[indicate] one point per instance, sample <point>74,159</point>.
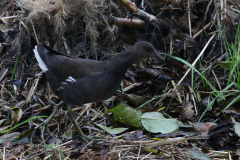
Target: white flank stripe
<point>41,64</point>
<point>71,79</point>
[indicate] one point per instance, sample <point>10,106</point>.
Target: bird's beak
<point>158,56</point>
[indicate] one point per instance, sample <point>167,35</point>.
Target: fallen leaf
<point>206,128</point>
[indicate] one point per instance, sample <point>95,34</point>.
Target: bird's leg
<point>79,131</point>
<point>44,124</point>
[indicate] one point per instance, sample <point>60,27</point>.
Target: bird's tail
<point>40,56</point>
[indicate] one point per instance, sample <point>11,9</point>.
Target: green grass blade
<point>154,99</point>
<point>32,118</point>
<point>210,105</point>
<point>231,103</point>
<point>192,67</point>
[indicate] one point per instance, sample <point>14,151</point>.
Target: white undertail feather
<point>41,64</point>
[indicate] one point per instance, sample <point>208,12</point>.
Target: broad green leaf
<point>124,114</point>
<point>155,122</point>
<point>112,130</point>
<point>236,126</point>
<point>139,113</point>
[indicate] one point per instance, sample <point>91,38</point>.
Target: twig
<point>35,32</point>
<point>189,19</point>
<point>9,93</point>
<point>221,9</point>
<point>4,73</point>
<point>10,17</point>
<point>139,150</point>
<point>29,38</point>
<point>172,140</point>
<point>132,8</point>
<point>193,99</point>
<point>193,128</point>
<point>217,80</point>
<point>4,152</point>
<point>199,32</point>
<point>178,94</point>
<point>205,16</point>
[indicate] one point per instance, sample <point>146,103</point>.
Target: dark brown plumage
<point>77,81</point>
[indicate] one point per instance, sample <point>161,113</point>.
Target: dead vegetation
<point>196,31</point>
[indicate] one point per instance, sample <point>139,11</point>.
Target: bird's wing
<point>64,67</point>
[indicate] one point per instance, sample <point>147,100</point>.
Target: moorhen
<point>78,81</point>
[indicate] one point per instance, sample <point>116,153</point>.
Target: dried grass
<point>57,12</point>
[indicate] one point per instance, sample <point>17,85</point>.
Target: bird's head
<point>144,49</point>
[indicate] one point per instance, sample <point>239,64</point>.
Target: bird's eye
<point>147,49</point>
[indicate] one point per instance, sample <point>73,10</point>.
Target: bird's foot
<point>45,123</point>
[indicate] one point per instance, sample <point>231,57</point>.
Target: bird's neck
<point>121,62</point>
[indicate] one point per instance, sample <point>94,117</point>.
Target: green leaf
<point>67,134</point>
<point>139,113</point>
<point>124,114</point>
<point>236,126</point>
<point>154,122</point>
<point>24,134</point>
<point>225,64</point>
<point>136,99</point>
<point>112,130</point>
<point>9,137</point>
<point>16,115</point>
